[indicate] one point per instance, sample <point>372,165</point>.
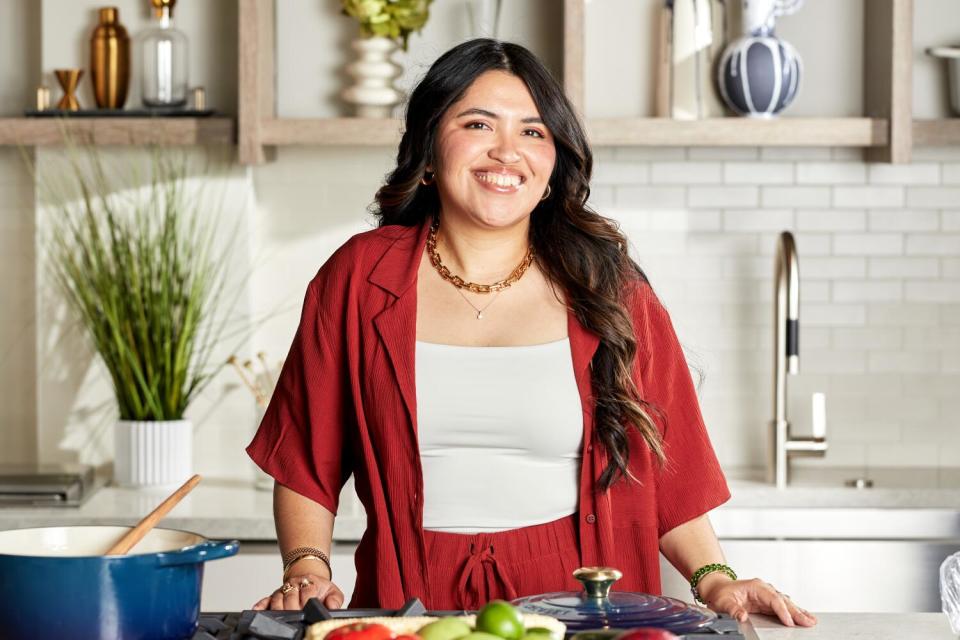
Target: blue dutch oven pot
<point>53,585</point>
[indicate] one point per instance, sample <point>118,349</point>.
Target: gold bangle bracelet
<point>305,553</point>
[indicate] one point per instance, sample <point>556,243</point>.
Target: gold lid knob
<point>108,15</point>
<point>160,5</point>
<point>597,581</point>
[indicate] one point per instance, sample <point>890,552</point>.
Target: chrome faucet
<point>786,360</point>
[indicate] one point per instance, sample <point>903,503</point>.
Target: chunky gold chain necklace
<point>459,282</point>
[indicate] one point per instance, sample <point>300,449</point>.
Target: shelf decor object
<point>110,61</point>
<point>164,52</point>
<point>759,73</point>
<point>952,56</point>
<point>385,25</point>
<point>689,51</point>
<point>141,271</point>
<point>68,79</point>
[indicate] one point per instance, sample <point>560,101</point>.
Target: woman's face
<point>495,155</point>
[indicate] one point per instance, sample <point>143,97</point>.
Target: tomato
<point>647,633</point>
<point>501,619</point>
<point>361,631</point>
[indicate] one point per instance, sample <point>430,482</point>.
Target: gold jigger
<point>68,79</point>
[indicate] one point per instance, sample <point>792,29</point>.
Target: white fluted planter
<point>373,94</point>
<point>153,453</point>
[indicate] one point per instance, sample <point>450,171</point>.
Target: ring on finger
<point>287,588</point>
<point>305,583</point>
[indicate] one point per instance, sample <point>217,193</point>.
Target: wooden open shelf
<point>885,131</point>
<point>936,132</point>
<point>116,131</point>
<point>740,132</point>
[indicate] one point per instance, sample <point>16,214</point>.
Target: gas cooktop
<point>292,625</point>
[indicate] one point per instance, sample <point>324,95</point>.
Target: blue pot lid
<point>597,607</point>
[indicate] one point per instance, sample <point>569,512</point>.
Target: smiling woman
<point>495,449</point>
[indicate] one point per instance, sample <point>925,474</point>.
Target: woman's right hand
<point>300,587</point>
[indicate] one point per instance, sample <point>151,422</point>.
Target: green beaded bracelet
<point>704,570</point>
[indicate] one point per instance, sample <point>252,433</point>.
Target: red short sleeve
<point>301,440</point>
<point>691,481</point>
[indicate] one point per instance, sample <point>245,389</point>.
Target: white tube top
<point>500,431</point>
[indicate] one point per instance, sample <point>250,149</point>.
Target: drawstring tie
<point>482,579</point>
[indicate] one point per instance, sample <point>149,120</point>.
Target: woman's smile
<point>500,182</point>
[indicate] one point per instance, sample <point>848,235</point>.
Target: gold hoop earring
<point>425,181</point>
<point>546,195</point>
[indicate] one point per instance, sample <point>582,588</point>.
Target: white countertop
<point>234,509</point>
<point>858,626</point>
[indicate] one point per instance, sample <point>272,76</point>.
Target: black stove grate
<point>292,625</point>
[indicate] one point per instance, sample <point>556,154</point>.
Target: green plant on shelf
<point>139,264</point>
<point>394,19</point>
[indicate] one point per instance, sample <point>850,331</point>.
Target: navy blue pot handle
<point>208,550</point>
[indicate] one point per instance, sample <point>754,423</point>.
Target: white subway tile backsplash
<point>867,337</point>
<point>651,197</point>
<point>903,314</point>
<point>922,220</point>
<point>758,172</point>
<point>950,361</point>
<point>807,154</point>
<point>835,360</point>
<point>950,268</point>
<point>831,173</point>
<point>834,315</point>
<point>723,153</point>
<point>950,220</point>
<point>795,197</point>
<point>933,244</point>
<point>722,197</point>
<point>612,172</point>
<point>686,173</point>
<point>757,219</point>
<point>869,244</point>
<point>901,361</point>
<point>903,267</point>
<point>932,338</point>
<point>873,197</point>
<point>869,384</point>
<point>908,174</point>
<point>831,220</point>
<point>902,454</point>
<point>950,173</point>
<point>932,291</point>
<point>867,291</point>
<point>822,267</point>
<point>933,197</point>
<point>601,198</point>
<point>950,314</point>
<point>640,154</point>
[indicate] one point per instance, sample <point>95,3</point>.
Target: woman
<point>497,374</point>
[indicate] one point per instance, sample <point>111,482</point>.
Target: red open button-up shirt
<point>345,403</point>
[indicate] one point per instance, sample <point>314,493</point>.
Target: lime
<point>444,629</point>
<point>480,635</point>
<point>501,619</point>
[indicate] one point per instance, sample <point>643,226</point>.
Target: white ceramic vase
<point>153,453</point>
<point>373,94</point>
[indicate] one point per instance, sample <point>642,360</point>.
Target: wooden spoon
<point>132,537</point>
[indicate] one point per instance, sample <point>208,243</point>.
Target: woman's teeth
<point>500,180</point>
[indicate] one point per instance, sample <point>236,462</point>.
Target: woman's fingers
<point>276,600</point>
<point>291,600</point>
<point>778,603</point>
<point>801,616</point>
<point>261,604</point>
<point>334,597</point>
<point>309,587</point>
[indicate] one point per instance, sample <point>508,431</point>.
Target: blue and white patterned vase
<point>759,74</point>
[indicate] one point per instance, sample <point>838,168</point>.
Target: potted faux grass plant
<point>385,25</point>
<point>139,265</point>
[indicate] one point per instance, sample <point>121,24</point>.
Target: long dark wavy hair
<point>578,250</point>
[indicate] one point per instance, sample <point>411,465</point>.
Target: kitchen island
<point>818,540</point>
<point>858,626</point>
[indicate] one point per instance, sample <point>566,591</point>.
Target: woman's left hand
<point>740,598</point>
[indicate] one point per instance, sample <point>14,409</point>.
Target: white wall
<point>879,245</point>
